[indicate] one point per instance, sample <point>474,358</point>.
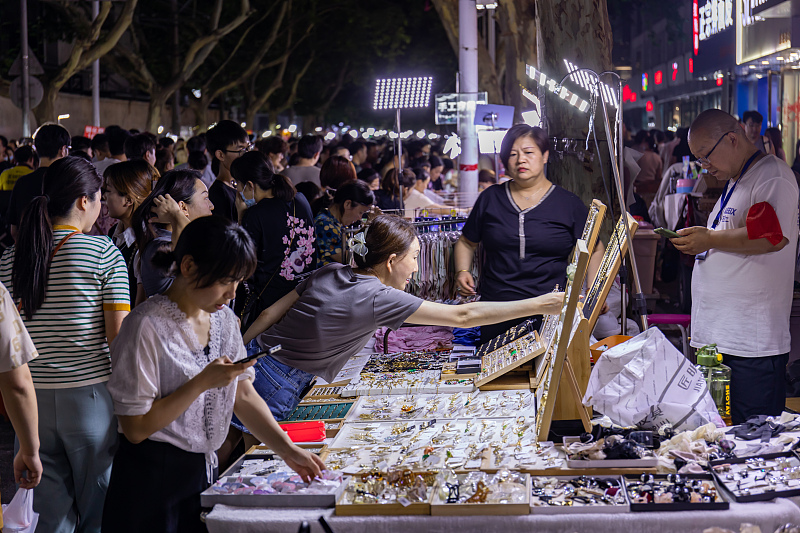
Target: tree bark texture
<point>88,48</point>
<point>580,31</point>
<point>516,46</point>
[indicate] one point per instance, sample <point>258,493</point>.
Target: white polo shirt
<point>742,302</point>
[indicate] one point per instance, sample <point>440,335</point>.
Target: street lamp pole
<point>26,85</point>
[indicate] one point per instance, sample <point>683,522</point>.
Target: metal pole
<point>95,76</point>
<point>491,33</point>
<point>176,96</point>
<point>468,73</point>
<point>400,161</point>
<point>26,83</point>
<point>617,163</point>
<point>639,302</point>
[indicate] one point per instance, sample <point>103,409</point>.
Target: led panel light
<point>587,82</point>
<point>552,86</point>
<point>402,93</point>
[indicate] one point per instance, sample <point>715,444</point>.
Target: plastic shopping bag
<point>18,516</point>
<point>646,382</point>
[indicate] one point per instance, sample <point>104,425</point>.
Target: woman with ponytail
<point>179,197</point>
<point>177,381</point>
<point>73,293</point>
<point>279,221</point>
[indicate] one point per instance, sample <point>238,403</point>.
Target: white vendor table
<point>768,515</point>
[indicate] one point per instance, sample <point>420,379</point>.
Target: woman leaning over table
<point>528,228</point>
<point>331,315</point>
<point>73,291</point>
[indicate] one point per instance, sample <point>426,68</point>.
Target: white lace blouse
<point>156,352</point>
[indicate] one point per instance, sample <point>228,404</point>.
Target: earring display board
<point>616,249</point>
<point>509,357</point>
<point>547,390</point>
<point>591,230</point>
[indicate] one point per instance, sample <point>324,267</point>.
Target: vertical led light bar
<point>402,93</point>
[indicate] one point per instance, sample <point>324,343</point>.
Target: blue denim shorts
<point>280,385</point>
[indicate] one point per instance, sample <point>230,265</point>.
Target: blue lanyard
<point>725,198</point>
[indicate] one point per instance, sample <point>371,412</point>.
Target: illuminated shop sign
<point>644,82</point>
<point>748,18</point>
<point>711,17</point>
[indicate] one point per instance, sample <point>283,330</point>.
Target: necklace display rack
<point>612,258</point>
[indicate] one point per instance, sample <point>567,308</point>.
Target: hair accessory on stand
<point>358,243</point>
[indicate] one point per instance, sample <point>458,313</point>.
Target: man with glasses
<point>226,141</point>
<point>743,276</point>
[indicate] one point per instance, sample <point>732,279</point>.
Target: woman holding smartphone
<point>176,383</point>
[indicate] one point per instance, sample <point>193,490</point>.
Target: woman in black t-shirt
<point>279,220</point>
<point>528,228</point>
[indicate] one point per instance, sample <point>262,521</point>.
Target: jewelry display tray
<point>721,482</point>
<point>386,509</point>
<point>648,462</point>
<point>582,509</point>
<point>209,498</point>
<point>442,508</point>
<point>669,507</point>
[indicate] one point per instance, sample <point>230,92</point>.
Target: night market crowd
<point>143,276</point>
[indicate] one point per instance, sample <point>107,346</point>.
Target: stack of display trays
<point>258,466</point>
<point>332,413</point>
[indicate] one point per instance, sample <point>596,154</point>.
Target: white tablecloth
<point>768,515</point>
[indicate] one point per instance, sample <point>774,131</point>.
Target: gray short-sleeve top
<point>337,313</point>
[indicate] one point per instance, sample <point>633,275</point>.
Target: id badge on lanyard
<point>725,198</point>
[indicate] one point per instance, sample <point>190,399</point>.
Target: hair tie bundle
<point>358,243</point>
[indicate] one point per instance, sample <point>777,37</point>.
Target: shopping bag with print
<point>647,382</point>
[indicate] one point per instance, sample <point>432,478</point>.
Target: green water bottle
<point>718,379</point>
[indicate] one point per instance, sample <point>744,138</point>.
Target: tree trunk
<point>46,110</point>
<point>577,30</point>
<point>517,21</point>
<point>200,108</point>
<point>250,117</point>
<point>154,110</point>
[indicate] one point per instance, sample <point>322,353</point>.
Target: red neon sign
<point>719,82</point>
<point>691,65</point>
<point>695,29</point>
<point>649,106</point>
<point>658,77</point>
<point>633,97</point>
<point>674,71</point>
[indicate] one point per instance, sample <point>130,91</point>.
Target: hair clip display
<point>674,492</point>
<point>581,494</point>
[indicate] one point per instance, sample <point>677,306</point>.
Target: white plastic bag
<point>18,516</point>
<point>647,382</point>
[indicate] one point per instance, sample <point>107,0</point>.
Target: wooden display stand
<point>548,388</point>
<point>575,379</point>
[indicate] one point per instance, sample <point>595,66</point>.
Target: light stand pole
<point>397,94</point>
<point>617,161</point>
